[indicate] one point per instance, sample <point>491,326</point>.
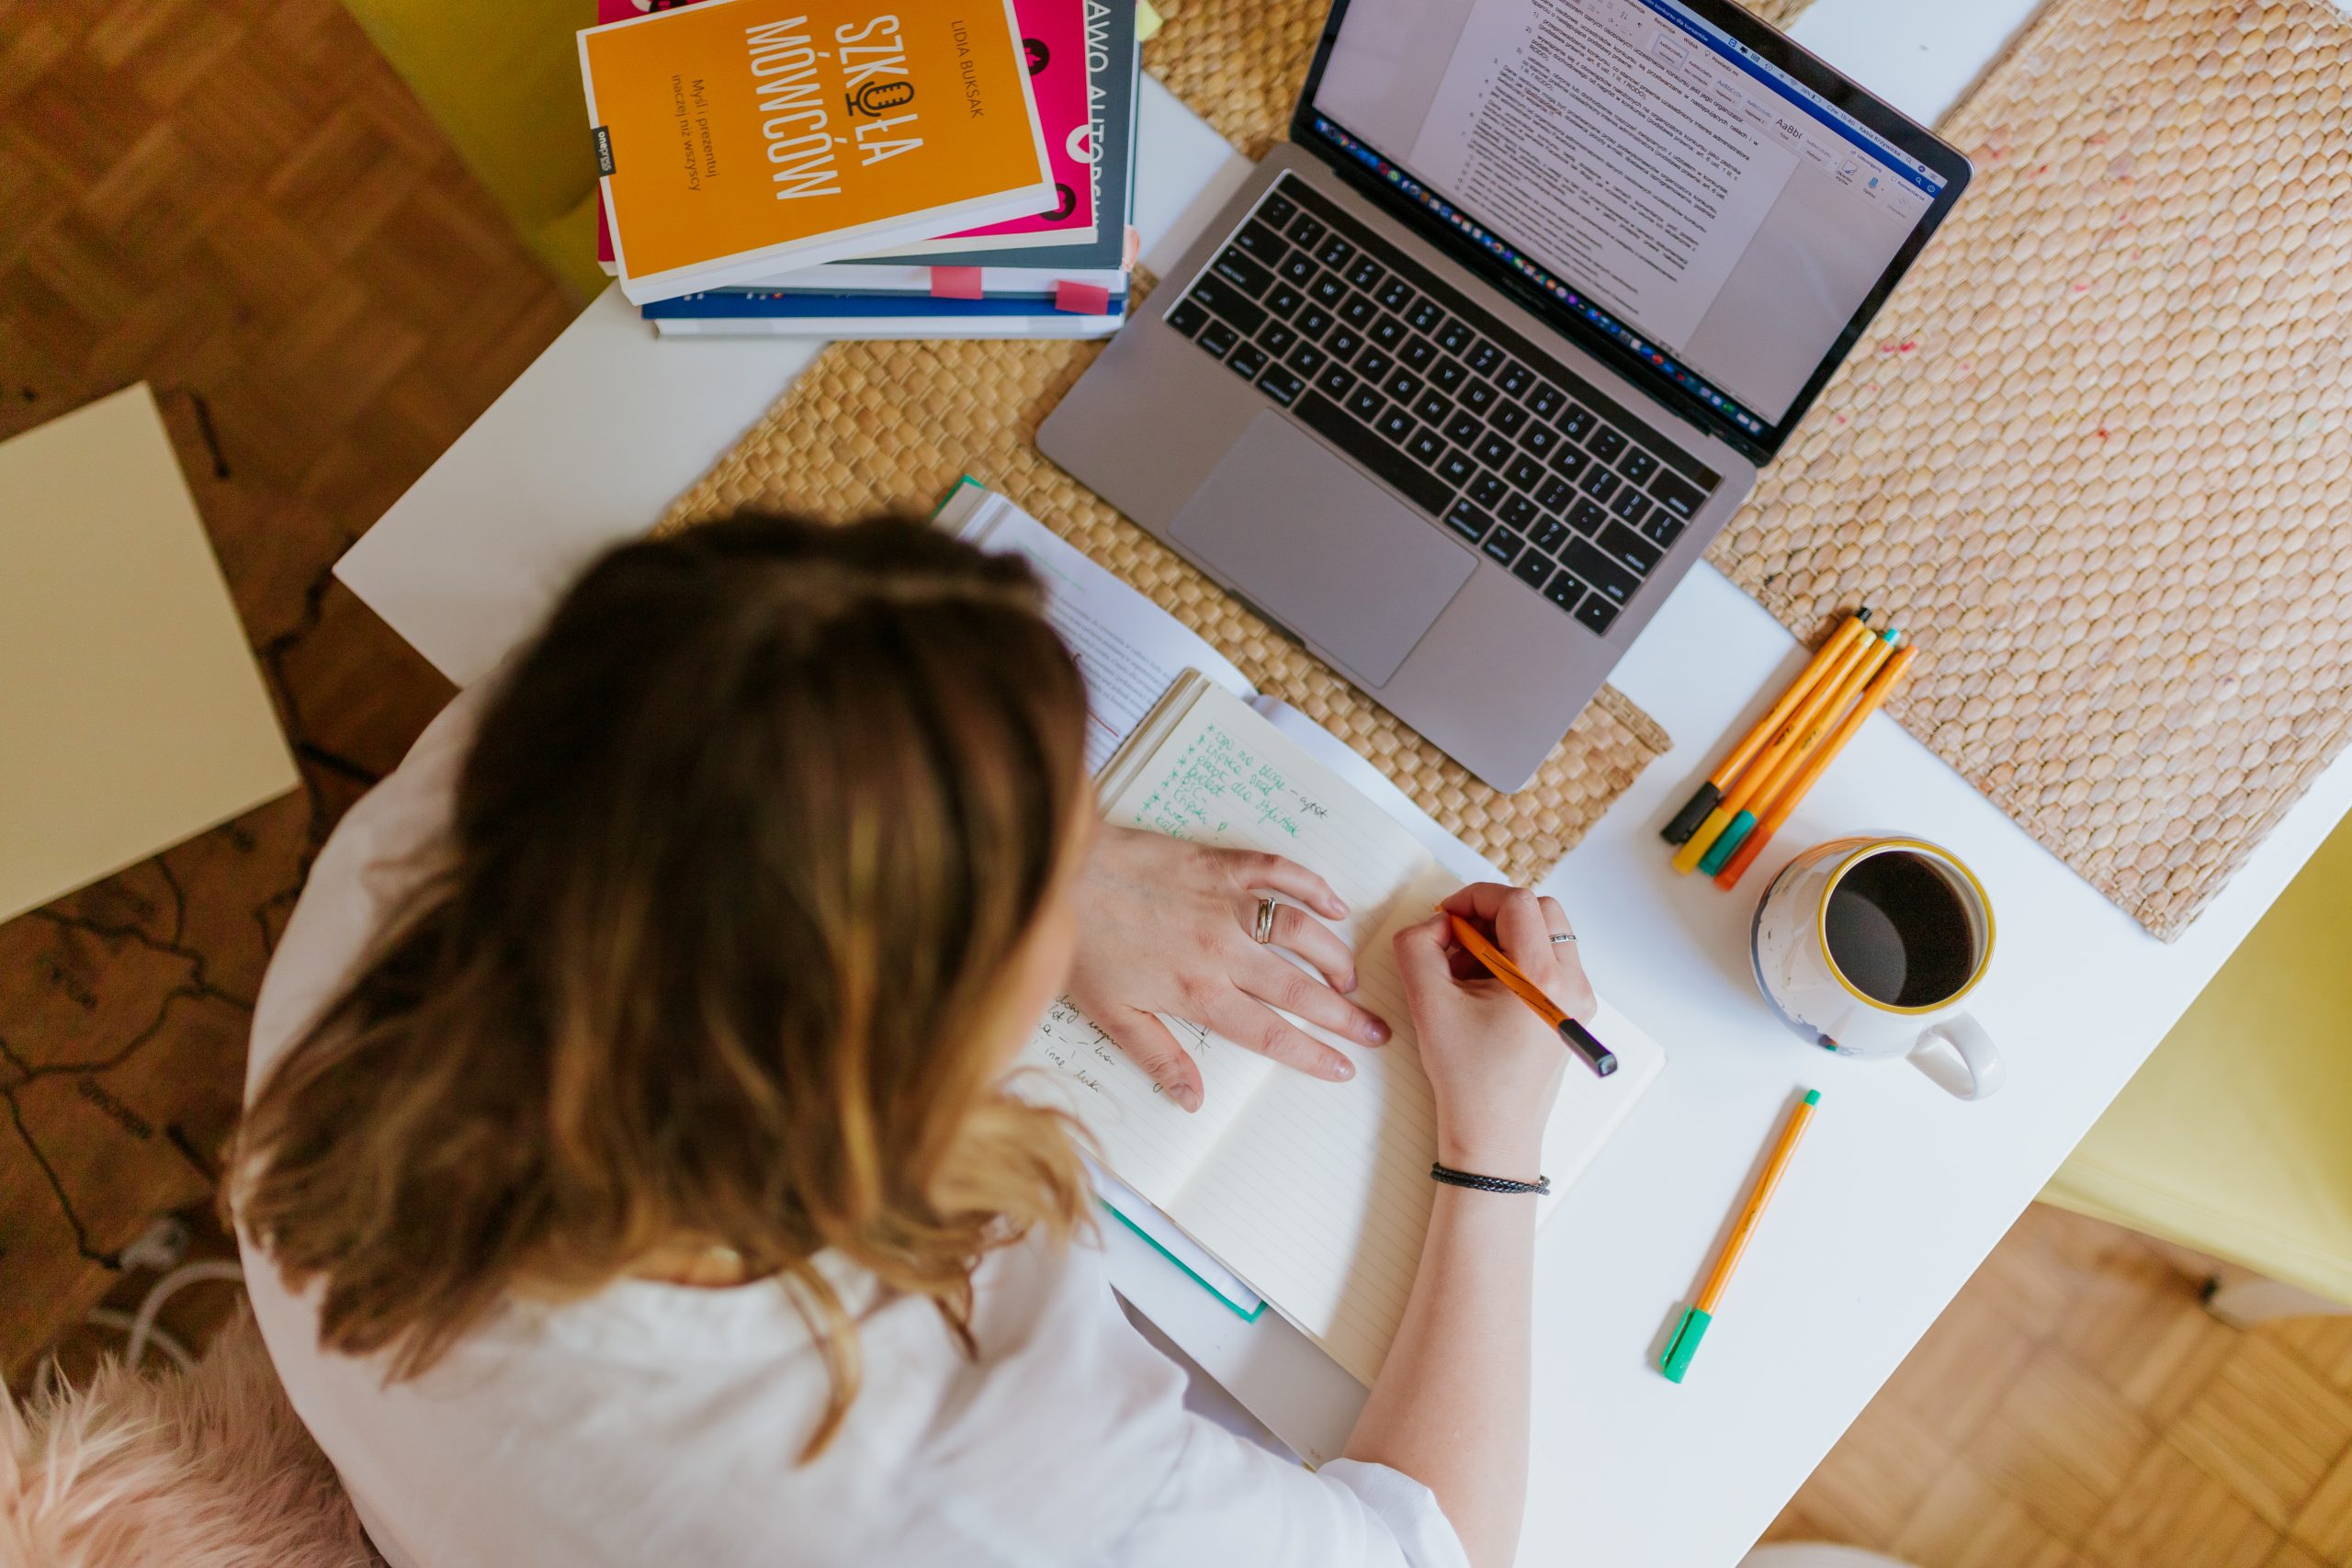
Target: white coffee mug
<point>1915,933</point>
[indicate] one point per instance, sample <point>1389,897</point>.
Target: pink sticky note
<point>1081,299</point>
<point>955,283</point>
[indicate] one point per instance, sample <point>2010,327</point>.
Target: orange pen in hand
<point>1579,1039</point>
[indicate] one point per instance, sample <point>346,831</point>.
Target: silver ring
<point>1264,931</point>
<point>1570,937</point>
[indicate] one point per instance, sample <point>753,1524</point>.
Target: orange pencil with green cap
<point>1688,858</point>
<point>1786,800</point>
<point>1675,1359</point>
<point>1710,793</point>
<point>1817,723</point>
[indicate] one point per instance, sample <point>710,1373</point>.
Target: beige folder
<point>132,714</point>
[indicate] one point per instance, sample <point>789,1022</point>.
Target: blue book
<point>768,312</point>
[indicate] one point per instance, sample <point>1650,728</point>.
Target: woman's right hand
<point>1450,1406</point>
<point>1493,1066</point>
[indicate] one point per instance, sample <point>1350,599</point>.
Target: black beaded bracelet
<point>1454,1177</point>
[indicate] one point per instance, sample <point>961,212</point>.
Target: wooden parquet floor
<point>2077,1407</point>
<point>237,201</point>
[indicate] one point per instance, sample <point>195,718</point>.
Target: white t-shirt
<point>658,1424</point>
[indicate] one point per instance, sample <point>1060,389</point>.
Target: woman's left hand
<point>1166,926</point>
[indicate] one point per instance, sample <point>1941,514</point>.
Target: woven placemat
<point>2094,453</point>
<point>877,423</point>
<point>870,425</point>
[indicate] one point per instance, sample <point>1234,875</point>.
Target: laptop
<point>1465,377</point>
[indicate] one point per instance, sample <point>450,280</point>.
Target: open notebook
<point>1315,1194</point>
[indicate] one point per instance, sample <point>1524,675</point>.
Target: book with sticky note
<point>1316,1194</point>
<point>765,312</point>
<point>997,286</point>
<point>740,138</point>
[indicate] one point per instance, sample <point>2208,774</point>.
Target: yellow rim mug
<point>1866,946</point>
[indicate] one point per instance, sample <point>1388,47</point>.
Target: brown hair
<point>743,844</point>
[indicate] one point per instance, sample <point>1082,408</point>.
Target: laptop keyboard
<point>1459,415</point>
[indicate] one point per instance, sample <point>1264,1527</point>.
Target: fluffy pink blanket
<point>205,1468</point>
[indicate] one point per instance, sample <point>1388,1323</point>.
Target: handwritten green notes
<point>1222,781</point>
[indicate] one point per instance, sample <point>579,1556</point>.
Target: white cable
<point>143,1326</point>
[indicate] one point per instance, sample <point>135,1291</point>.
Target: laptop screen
<point>1652,176</point>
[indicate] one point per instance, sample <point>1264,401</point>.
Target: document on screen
<point>1613,148</point>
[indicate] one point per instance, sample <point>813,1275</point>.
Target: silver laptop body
<point>1479,570</point>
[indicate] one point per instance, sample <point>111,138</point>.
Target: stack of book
<point>811,168</point>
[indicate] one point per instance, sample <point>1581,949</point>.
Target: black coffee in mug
<point>1900,932</point>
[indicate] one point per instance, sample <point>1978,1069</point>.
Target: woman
<point>631,1175</point>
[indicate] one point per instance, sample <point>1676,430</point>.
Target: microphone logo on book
<point>875,99</point>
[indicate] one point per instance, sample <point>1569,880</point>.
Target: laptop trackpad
<point>1322,548</point>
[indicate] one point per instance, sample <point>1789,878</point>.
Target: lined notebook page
<point>1151,1145</point>
<point>1319,1193</point>
<point>1315,1193</point>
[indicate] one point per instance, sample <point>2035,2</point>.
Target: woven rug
<point>2095,453</point>
<point>850,437</point>
<point>877,423</point>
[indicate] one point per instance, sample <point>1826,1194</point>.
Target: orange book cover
<point>739,138</point>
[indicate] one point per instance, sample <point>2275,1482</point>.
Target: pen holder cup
<point>1866,946</point>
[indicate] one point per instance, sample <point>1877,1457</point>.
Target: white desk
<point>1902,1190</point>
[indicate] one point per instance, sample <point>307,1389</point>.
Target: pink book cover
<point>1054,33</point>
<point>621,11</point>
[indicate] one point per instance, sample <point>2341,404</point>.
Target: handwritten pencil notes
<point>1158,1148</point>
